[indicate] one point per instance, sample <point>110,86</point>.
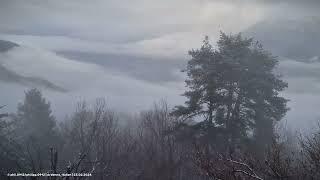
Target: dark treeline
<point>225,130</point>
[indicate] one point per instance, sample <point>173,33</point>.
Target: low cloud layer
<point>85,81</point>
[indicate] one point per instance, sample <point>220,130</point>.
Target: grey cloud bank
<point>84,81</point>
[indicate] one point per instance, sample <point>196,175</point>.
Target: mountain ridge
<point>9,76</point>
<point>294,39</point>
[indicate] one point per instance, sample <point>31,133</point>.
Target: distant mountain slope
<point>7,75</point>
<point>6,45</point>
<point>295,39</point>
<point>143,68</point>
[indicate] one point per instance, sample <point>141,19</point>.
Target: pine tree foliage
<point>234,88</point>
<point>35,115</point>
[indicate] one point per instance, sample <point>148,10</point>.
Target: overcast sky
<point>130,52</point>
